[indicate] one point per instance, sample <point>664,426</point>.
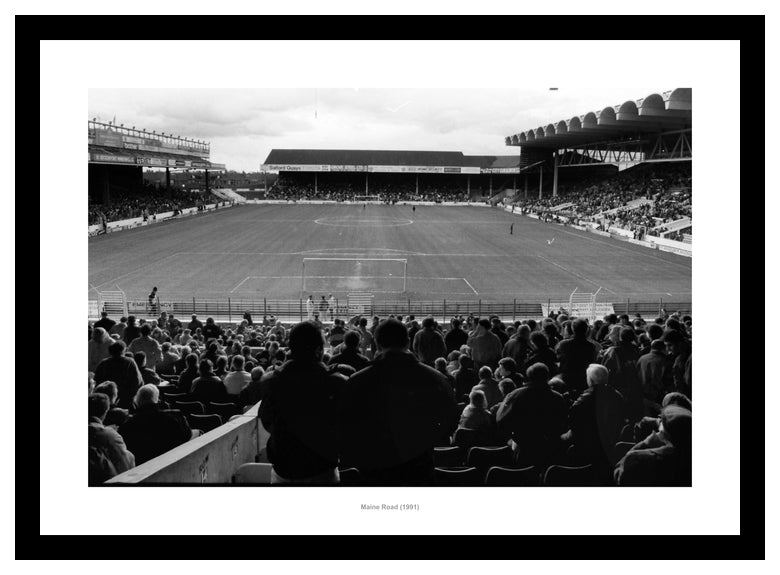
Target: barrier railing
<point>229,310</point>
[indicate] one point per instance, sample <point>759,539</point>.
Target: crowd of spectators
<point>666,186</point>
<point>379,394</point>
<point>147,204</point>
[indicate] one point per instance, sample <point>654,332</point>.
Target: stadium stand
<point>643,368</point>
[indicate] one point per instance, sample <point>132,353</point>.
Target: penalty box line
<point>243,281</point>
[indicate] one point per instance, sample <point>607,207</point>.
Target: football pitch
<point>256,251</point>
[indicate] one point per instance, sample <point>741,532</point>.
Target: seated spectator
<point>183,338</point>
<point>507,368</point>
<point>350,353</point>
<point>505,386</point>
<point>116,416</point>
<point>121,370</point>
<point>119,329</point>
<point>440,365</point>
<point>488,386</point>
<point>667,465</point>
<point>475,415</point>
<point>151,431</point>
<point>168,362</point>
<point>465,378</point>
<point>596,419</point>
<point>647,429</point>
<point>679,353</point>
<point>428,344</point>
<point>194,324</point>
<point>147,344</point>
<point>253,340</point>
<point>208,387</point>
<point>238,378</point>
<point>300,411</point>
<point>254,390</point>
<point>97,349</point>
<point>534,416</point>
<point>148,375</point>
<point>189,374</point>
<point>220,367</point>
<point>394,412</point>
<point>108,454</point>
<point>575,355</point>
<point>249,361</point>
<point>455,337</point>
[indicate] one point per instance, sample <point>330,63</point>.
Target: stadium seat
<point>458,476</point>
<point>253,474</point>
<point>505,477</point>
<point>621,448</point>
<point>224,410</point>
<point>190,407</point>
<point>349,477</point>
<point>465,438</point>
<point>483,458</point>
<point>172,397</point>
<point>448,456</point>
<point>627,433</point>
<point>561,476</point>
<point>204,422</point>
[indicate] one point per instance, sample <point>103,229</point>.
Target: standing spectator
<point>309,308</point>
<point>499,329</point>
<point>147,344</point>
<point>534,416</point>
<point>119,329</point>
<point>97,349</point>
<point>108,454</point>
<point>154,302</point>
<point>331,306</point>
<point>211,330</point>
<point>323,306</point>
<point>575,355</point>
<point>679,351</point>
<point>428,343</point>
<point>621,360</point>
<point>541,354</point>
<point>336,336</point>
<point>248,318</point>
<point>519,347</point>
<point>238,378</point>
<point>488,386</point>
<point>465,377</point>
<point>121,370</point>
<point>151,431</point>
<point>194,324</point>
<point>300,411</point>
<point>366,339</point>
<point>208,387</point>
<point>105,322</point>
<point>507,369</point>
<point>394,412</point>
<point>655,373</point>
<point>485,345</point>
<point>131,331</point>
<point>455,337</point>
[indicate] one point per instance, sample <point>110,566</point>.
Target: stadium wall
<point>118,225</point>
<point>214,457</point>
<point>403,203</point>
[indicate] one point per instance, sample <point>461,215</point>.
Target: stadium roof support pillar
<point>541,175</point>
<point>555,174</point>
<point>525,193</point>
<point>207,181</point>
<point>417,184</point>
<point>366,183</point>
<point>315,182</point>
<point>468,185</point>
<point>491,184</point>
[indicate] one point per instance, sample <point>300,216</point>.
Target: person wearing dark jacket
<point>596,419</point>
<point>208,387</point>
<point>621,361</point>
<point>132,331</point>
<point>465,378</point>
<point>541,354</point>
<point>534,416</point>
<point>455,337</point>
<point>679,352</point>
<point>150,431</point>
<point>575,355</point>
<point>519,346</point>
<point>394,412</point>
<point>428,343</point>
<point>300,409</point>
<point>350,353</point>
<point>211,330</point>
<point>121,370</point>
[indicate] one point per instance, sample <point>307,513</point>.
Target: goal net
<point>373,275</point>
<point>367,198</point>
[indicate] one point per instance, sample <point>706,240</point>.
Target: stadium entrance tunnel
<point>363,222</point>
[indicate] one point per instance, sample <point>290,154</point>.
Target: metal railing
<point>232,310</point>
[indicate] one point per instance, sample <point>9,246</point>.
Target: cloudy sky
<point>243,125</point>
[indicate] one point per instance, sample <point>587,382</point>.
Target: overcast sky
<point>243,125</point>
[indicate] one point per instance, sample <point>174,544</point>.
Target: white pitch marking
<point>140,268</point>
<point>576,274</point>
<point>241,282</point>
<point>471,286</point>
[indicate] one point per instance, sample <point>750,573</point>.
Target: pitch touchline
<point>471,286</point>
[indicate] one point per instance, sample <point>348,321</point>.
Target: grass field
<point>453,253</point>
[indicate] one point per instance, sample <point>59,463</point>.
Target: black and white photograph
<point>393,288</point>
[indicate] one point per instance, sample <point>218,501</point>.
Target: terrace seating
<point>562,476</point>
<point>483,458</point>
<point>506,477</point>
<point>458,476</point>
<point>448,456</point>
<point>190,407</point>
<point>204,422</point>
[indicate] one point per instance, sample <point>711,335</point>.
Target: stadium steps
<point>680,224</point>
<point>229,195</point>
<point>632,205</point>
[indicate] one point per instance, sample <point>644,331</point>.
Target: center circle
<point>363,222</point>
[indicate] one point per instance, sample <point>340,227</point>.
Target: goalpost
<point>368,199</point>
<point>381,275</point>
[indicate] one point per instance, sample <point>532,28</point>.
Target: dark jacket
<point>545,356</point>
<point>351,357</point>
<point>394,412</point>
<point>465,380</point>
<point>131,332</point>
<point>428,345</point>
<point>454,339</point>
<point>655,375</point>
<point>209,388</point>
<point>596,419</point>
<point>658,467</point>
<point>575,355</point>
<point>124,372</point>
<point>518,349</point>
<point>151,432</point>
<point>300,411</point>
<point>534,416</point>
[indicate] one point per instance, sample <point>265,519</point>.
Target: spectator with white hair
<point>151,431</point>
<point>108,454</point>
<point>475,415</point>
